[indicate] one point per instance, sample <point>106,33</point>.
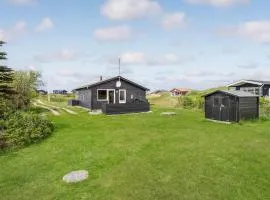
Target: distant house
<point>179,91</point>
<point>64,92</point>
<point>42,92</point>
<point>261,88</point>
<point>114,96</point>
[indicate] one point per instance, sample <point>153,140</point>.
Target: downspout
<point>261,89</point>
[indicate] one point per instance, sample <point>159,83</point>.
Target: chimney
<point>100,78</point>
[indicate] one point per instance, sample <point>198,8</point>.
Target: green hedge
<point>23,128</point>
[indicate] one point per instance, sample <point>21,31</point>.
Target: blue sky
<point>162,44</point>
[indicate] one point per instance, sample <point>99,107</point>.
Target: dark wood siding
<point>110,109</point>
<point>248,108</point>
<point>84,97</point>
<point>138,93</point>
<point>266,90</point>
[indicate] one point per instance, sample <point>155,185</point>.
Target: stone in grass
<point>76,176</point>
<point>168,113</point>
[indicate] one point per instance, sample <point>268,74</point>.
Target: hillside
<point>164,99</point>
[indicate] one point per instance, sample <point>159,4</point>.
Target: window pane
<point>102,94</point>
<point>122,96</point>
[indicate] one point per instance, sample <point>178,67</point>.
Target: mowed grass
<point>142,157</point>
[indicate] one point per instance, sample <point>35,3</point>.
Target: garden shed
<point>231,106</point>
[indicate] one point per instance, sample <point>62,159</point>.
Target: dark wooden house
<point>231,106</point>
<point>114,96</point>
<point>261,88</point>
<point>64,92</point>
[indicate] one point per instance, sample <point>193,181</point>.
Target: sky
<point>162,44</point>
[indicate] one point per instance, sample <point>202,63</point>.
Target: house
<point>231,106</point>
<point>64,92</point>
<point>114,96</point>
<point>42,92</point>
<point>261,88</point>
<point>179,91</point>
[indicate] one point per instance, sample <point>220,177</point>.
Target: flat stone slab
<point>168,113</point>
<point>76,176</point>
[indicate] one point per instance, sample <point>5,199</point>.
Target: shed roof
<point>111,79</point>
<point>236,93</point>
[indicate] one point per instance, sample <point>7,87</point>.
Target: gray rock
<point>76,176</point>
<point>168,113</point>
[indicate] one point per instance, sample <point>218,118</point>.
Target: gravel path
<point>54,112</point>
<point>65,109</point>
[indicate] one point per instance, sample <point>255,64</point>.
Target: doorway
<point>221,108</point>
<point>111,96</point>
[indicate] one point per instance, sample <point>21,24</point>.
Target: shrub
<point>24,128</point>
<point>265,107</point>
<point>190,102</point>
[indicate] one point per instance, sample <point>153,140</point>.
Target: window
<point>122,96</point>
<point>102,95</point>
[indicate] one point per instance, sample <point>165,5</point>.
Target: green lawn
<point>142,157</point>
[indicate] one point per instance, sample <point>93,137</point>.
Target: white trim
<point>125,94</point>
<point>244,81</point>
<point>269,92</point>
<point>106,95</point>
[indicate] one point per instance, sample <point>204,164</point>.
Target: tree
<point>6,78</point>
<point>25,84</point>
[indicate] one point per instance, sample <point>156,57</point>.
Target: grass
<point>141,157</point>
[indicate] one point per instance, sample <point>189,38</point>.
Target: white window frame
<point>125,94</point>
<point>106,95</point>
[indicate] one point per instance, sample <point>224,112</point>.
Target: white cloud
<point>62,55</point>
<point>22,2</point>
<point>130,9</point>
<point>140,58</point>
<point>45,24</point>
<point>118,33</point>
<point>14,31</point>
<point>256,30</point>
<point>174,20</point>
<point>133,58</point>
<point>218,3</point>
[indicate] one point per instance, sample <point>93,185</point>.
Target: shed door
<point>224,109</point>
<point>221,108</point>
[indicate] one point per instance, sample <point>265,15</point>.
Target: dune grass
<point>142,157</point>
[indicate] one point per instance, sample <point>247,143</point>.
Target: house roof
<point>236,93</point>
<point>111,79</point>
<point>180,89</point>
<point>255,82</point>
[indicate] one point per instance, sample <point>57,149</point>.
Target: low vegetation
<point>19,126</point>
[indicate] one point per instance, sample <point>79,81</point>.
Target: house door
<point>111,96</point>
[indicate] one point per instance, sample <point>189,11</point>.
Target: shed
<point>231,106</point>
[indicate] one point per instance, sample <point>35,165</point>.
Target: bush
<point>24,128</point>
<point>265,107</point>
<point>190,102</point>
